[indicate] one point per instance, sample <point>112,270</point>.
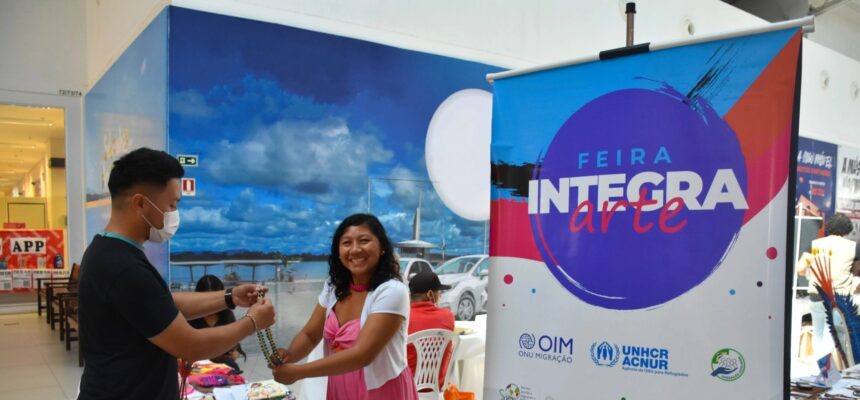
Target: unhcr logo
<point>605,354</point>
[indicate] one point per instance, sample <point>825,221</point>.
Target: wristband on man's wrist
<point>228,298</point>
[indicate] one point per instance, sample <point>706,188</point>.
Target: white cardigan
<point>391,297</point>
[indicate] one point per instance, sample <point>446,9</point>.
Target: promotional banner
<point>27,254</point>
<point>639,224</point>
<point>32,248</point>
<point>848,187</point>
<point>816,176</point>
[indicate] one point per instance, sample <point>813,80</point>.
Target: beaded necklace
<point>267,343</point>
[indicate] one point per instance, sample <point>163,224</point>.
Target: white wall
<point>838,29</point>
<point>41,43</point>
<point>111,26</point>
<point>829,113</point>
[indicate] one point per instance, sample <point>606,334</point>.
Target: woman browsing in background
<point>362,315</point>
<point>210,283</point>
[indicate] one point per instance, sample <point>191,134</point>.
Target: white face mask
<point>171,225</point>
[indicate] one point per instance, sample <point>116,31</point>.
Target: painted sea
<point>186,276</point>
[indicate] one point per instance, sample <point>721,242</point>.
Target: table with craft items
<point>210,381</point>
<point>846,388</point>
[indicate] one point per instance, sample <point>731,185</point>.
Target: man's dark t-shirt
<point>122,301</point>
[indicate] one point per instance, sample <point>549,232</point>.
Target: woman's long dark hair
<point>387,268</point>
<point>211,283</point>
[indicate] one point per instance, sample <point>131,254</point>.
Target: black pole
<point>631,12</point>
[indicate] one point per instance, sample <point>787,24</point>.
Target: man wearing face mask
<point>132,329</point>
<point>425,291</point>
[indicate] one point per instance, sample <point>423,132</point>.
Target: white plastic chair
<point>430,348</point>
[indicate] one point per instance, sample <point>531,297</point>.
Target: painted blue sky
<point>290,123</point>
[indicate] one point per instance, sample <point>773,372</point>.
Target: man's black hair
<point>143,166</point>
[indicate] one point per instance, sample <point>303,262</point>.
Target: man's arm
<point>181,340</point>
<point>195,305</point>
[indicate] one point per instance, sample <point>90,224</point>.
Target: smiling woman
<point>361,255</point>
<point>362,316</point>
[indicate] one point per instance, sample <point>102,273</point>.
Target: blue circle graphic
<point>613,139</point>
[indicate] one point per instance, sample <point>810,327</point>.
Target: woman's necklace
<point>267,343</point>
<point>354,287</point>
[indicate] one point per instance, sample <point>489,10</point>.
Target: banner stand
<point>806,23</point>
<point>595,291</point>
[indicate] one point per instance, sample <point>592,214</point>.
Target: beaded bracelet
<point>253,321</point>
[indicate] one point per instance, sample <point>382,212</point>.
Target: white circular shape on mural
<point>457,152</point>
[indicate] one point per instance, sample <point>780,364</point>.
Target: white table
<point>469,365</point>
<point>841,386</point>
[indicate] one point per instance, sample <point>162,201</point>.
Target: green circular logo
<point>728,365</point>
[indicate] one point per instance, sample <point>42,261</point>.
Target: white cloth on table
<point>469,365</point>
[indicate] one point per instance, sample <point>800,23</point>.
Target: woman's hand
<point>287,374</point>
<point>283,354</point>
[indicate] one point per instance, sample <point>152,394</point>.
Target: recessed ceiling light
<point>26,121</point>
<point>18,146</point>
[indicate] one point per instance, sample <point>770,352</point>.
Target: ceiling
<point>837,22</point>
<point>24,136</point>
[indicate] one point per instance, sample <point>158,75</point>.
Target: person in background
<point>362,315</point>
<point>132,329</point>
<point>424,314</point>
<point>843,257</point>
<point>211,283</point>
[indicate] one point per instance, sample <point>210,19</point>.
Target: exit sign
<point>187,160</point>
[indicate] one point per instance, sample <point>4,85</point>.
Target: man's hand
<point>286,374</point>
<point>263,312</point>
<point>246,295</point>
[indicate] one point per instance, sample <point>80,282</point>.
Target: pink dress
<point>351,385</point>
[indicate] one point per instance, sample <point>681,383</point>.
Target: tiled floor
<point>34,364</point>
